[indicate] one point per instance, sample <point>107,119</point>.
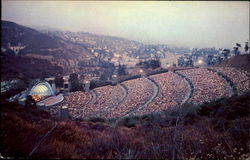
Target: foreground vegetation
<point>216,130</point>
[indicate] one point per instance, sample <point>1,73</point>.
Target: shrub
<point>157,72</point>
<point>96,84</point>
<point>112,120</point>
<point>130,78</point>
<point>151,117</point>
<point>128,121</point>
<point>96,119</point>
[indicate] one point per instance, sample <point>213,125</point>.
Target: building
<point>41,93</point>
<point>66,84</point>
<point>41,90</point>
<point>16,49</point>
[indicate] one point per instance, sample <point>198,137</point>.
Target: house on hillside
<point>16,49</point>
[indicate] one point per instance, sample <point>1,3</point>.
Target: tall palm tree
<point>246,47</point>
<point>238,45</point>
<point>236,49</point>
<point>225,52</point>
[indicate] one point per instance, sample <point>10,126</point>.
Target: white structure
<point>64,112</point>
<point>42,93</point>
<point>16,49</point>
<point>66,86</point>
<point>86,85</point>
<point>8,85</point>
<point>42,89</point>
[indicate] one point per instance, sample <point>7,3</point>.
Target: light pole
<point>142,73</point>
<point>86,85</point>
<point>114,79</point>
<point>64,112</point>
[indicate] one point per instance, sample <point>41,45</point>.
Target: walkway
<point>190,90</point>
<point>42,139</point>
<point>93,97</point>
<point>101,113</point>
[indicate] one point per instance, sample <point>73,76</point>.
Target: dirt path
<point>42,139</point>
<point>93,97</point>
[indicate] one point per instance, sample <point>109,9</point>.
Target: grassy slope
<point>239,62</point>
<point>212,131</point>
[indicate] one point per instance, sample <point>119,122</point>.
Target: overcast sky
<point>187,24</point>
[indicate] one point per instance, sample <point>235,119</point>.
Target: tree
<point>236,51</point>
<point>155,64</point>
<point>82,77</point>
<point>226,52</point>
<point>209,60</point>
<point>59,81</point>
<point>121,70</point>
<point>246,47</point>
<point>73,79</point>
<point>180,61</point>
<point>191,62</point>
<point>103,77</point>
<point>219,59</point>
<point>238,45</point>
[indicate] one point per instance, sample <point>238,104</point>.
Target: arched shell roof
<point>42,89</point>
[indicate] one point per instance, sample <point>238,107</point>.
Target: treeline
<point>210,56</point>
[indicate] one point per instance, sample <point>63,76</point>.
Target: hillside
<point>26,64</point>
<point>34,44</point>
<point>26,68</point>
<point>33,40</point>
<point>68,49</point>
<point>216,130</point>
<point>239,62</point>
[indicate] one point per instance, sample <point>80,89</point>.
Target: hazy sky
<point>188,24</point>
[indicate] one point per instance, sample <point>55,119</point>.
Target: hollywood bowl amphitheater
<point>147,94</point>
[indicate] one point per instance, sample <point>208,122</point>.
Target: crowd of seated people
<point>207,85</point>
<point>239,77</point>
<point>172,90</point>
<point>139,92</point>
<point>74,101</point>
<point>107,96</point>
<point>112,101</point>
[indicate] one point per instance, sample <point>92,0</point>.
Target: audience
<point>139,91</point>
<point>107,97</point>
<point>239,77</point>
<point>115,101</point>
<point>207,85</point>
<point>172,90</point>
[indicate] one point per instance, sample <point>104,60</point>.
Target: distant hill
<point>14,34</point>
<point>239,62</point>
<point>43,28</point>
<point>43,48</point>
